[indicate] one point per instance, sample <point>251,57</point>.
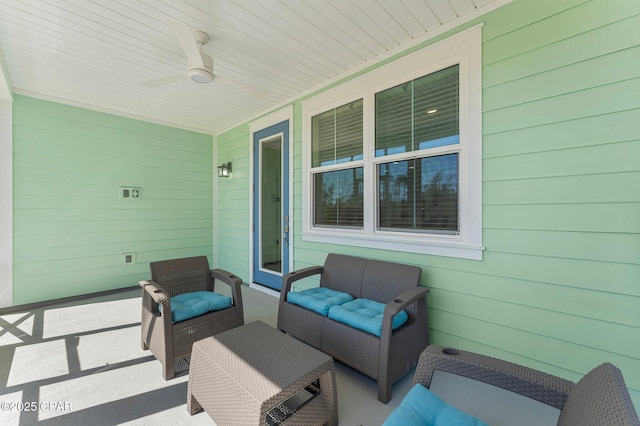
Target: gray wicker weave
<point>168,341</point>
<point>386,358</point>
<point>600,398</point>
<point>241,376</point>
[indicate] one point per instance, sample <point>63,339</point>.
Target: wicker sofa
<point>385,358</point>
<point>599,398</point>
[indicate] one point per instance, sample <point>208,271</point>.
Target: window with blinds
<point>392,158</point>
<point>337,139</point>
<point>419,194</point>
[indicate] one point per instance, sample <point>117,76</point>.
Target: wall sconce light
<point>224,170</point>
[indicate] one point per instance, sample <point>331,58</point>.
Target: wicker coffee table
<point>257,375</point>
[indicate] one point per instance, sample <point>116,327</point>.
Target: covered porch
<point>540,266</point>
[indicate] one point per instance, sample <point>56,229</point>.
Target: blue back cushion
<point>318,299</point>
<point>421,407</point>
<point>366,315</point>
<point>196,303</point>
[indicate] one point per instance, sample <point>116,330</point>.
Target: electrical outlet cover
<point>130,193</point>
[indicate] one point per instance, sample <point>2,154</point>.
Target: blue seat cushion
<point>366,315</point>
<point>196,303</point>
<point>421,407</point>
<point>318,299</point>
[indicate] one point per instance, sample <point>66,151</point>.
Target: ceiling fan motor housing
<point>202,75</point>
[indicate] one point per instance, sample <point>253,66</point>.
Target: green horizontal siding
<point>574,134</point>
<point>605,217</point>
<point>613,157</point>
<point>617,187</point>
<point>232,211</point>
<point>592,246</point>
<point>70,224</point>
<point>592,38</point>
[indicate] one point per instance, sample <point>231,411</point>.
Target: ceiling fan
<point>199,64</point>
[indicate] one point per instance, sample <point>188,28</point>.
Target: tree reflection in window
<point>419,194</point>
<point>338,198</point>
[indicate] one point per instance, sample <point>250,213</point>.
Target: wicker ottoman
<point>257,375</point>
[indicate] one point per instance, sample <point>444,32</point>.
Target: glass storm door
<point>271,205</point>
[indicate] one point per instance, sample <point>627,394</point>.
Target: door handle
<point>285,237</point>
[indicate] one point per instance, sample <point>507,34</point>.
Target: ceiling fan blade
<point>251,90</point>
<point>156,82</point>
<point>187,40</point>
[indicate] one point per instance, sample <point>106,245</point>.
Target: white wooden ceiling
<point>99,53</point>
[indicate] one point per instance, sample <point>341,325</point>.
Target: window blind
<point>337,135</point>
<point>419,114</point>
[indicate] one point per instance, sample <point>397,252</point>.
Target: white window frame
<point>464,49</point>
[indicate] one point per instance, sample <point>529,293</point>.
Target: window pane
<point>338,198</point>
<point>436,107</point>
<point>394,118</point>
<point>336,135</point>
<point>420,194</point>
<point>419,114</point>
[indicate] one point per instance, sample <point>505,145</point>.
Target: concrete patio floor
<point>80,363</point>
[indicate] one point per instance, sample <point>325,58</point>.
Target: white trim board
<point>6,203</point>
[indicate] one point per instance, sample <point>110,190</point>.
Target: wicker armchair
<point>169,341</point>
<point>599,398</point>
